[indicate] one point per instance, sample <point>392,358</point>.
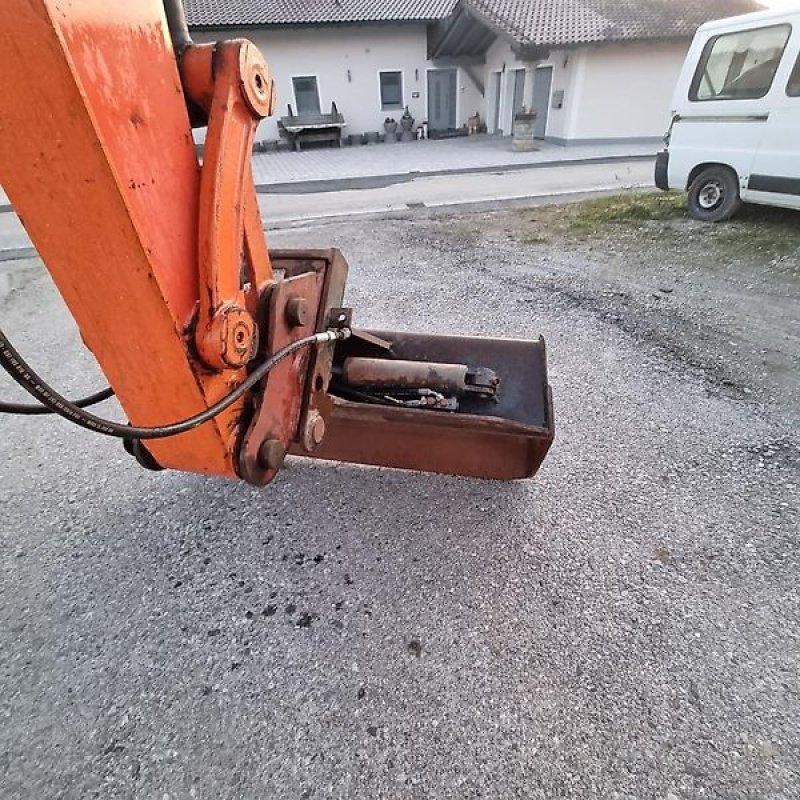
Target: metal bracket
<point>229,80</point>
<point>293,406</point>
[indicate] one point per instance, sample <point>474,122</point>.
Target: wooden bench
<point>297,128</point>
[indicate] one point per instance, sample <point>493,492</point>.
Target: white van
<point>735,131</point>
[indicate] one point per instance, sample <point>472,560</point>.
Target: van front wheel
<point>714,195</point>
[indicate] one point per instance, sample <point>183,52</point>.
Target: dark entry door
<point>498,87</point>
<point>442,89</point>
<point>542,85</point>
<point>519,89</point>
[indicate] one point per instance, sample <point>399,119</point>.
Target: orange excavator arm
<point>225,356</point>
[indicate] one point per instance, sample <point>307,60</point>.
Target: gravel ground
<point>625,625</point>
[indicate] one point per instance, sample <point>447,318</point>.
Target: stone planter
<point>407,124</point>
<point>522,140</point>
<point>372,137</point>
<point>390,131</point>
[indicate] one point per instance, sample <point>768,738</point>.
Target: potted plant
<point>407,125</point>
<point>390,129</point>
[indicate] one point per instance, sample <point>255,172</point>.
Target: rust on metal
<point>502,438</point>
<point>293,404</point>
<point>271,454</point>
<point>384,373</point>
<point>279,406</point>
<point>317,403</point>
<point>297,312</point>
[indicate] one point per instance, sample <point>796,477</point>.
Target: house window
<point>306,94</point>
<point>391,90</point>
<point>793,87</point>
<point>739,66</point>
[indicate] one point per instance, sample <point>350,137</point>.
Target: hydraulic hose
<point>34,410</point>
<point>178,27</point>
<point>16,366</point>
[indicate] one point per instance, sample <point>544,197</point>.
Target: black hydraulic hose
<point>178,28</point>
<point>33,410</point>
<point>181,42</point>
<point>13,363</point>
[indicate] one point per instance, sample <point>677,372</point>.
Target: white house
<point>593,70</point>
<point>368,56</point>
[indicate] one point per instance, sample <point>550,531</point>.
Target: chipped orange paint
<point>230,82</point>
<point>97,157</point>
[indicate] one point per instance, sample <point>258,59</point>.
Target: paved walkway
<point>465,154</point>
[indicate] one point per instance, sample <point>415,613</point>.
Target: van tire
<point>714,195</point>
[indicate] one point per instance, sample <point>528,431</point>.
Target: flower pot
<point>390,131</point>
<point>407,125</point>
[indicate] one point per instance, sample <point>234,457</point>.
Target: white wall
<point>364,50</point>
<point>469,96</point>
<point>620,91</point>
<point>623,90</point>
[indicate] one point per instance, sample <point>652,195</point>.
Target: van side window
<point>739,66</point>
<point>793,87</point>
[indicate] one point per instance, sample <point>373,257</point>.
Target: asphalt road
<point>291,203</point>
<point>442,191</point>
<point>623,626</point>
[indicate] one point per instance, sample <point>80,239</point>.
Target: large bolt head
<point>231,339</point>
<point>314,431</point>
<point>271,454</point>
<point>257,85</point>
<point>297,312</point>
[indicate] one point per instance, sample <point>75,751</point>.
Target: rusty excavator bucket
<point>410,402</point>
<point>473,406</point>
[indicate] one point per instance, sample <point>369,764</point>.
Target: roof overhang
<point>461,35</point>
<point>467,34</point>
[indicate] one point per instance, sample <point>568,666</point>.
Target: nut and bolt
<point>297,313</point>
<point>318,430</point>
<point>314,431</point>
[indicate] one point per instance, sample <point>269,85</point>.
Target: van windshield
<point>739,66</point>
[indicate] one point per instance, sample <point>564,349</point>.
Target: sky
<point>782,4</point>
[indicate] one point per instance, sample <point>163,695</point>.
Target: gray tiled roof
<point>565,22</point>
<point>216,13</point>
